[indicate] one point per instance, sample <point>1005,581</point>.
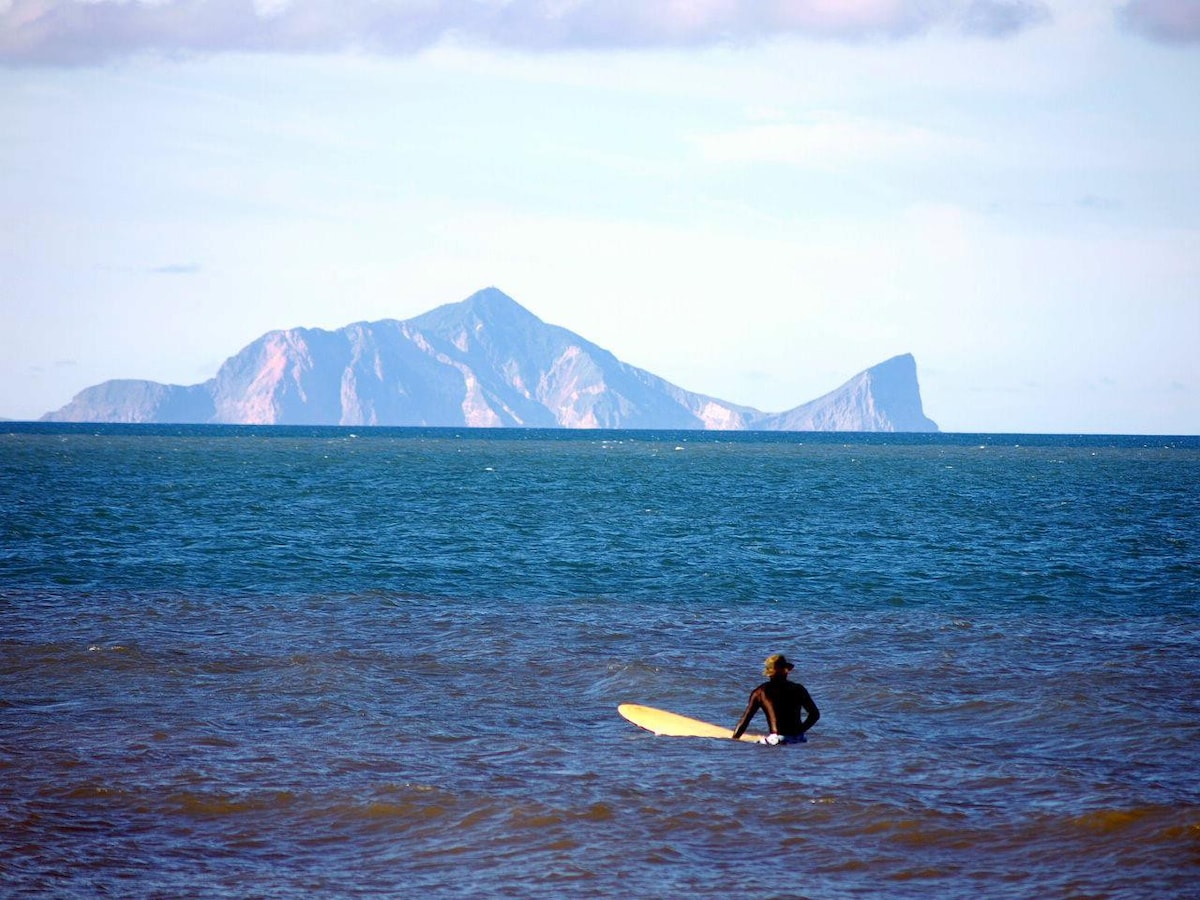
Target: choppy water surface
<point>239,662</point>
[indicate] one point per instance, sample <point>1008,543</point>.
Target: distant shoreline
<point>697,435</point>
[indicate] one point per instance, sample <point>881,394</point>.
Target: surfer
<point>782,702</point>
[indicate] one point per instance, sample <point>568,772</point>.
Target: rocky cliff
<point>484,362</point>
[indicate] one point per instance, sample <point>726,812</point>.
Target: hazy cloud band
<point>85,32</point>
<point>1170,21</point>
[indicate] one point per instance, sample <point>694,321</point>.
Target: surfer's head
<point>776,664</point>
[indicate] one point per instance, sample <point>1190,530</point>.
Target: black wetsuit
<point>781,700</point>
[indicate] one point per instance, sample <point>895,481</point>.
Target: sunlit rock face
<point>485,362</point>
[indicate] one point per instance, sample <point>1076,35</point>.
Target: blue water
<point>331,662</point>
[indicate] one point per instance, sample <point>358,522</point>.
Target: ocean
<point>288,662</point>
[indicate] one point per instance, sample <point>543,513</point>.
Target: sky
<point>754,199</point>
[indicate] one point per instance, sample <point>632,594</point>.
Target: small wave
<point>217,805</point>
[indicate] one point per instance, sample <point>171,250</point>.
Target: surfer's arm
<point>810,708</point>
<point>751,708</point>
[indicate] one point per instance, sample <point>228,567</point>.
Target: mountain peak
<point>490,306</point>
<point>491,303</point>
<point>494,299</point>
<point>885,397</point>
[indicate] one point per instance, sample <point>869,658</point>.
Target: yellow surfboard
<point>668,723</point>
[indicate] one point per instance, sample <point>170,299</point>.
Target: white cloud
<point>81,32</point>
